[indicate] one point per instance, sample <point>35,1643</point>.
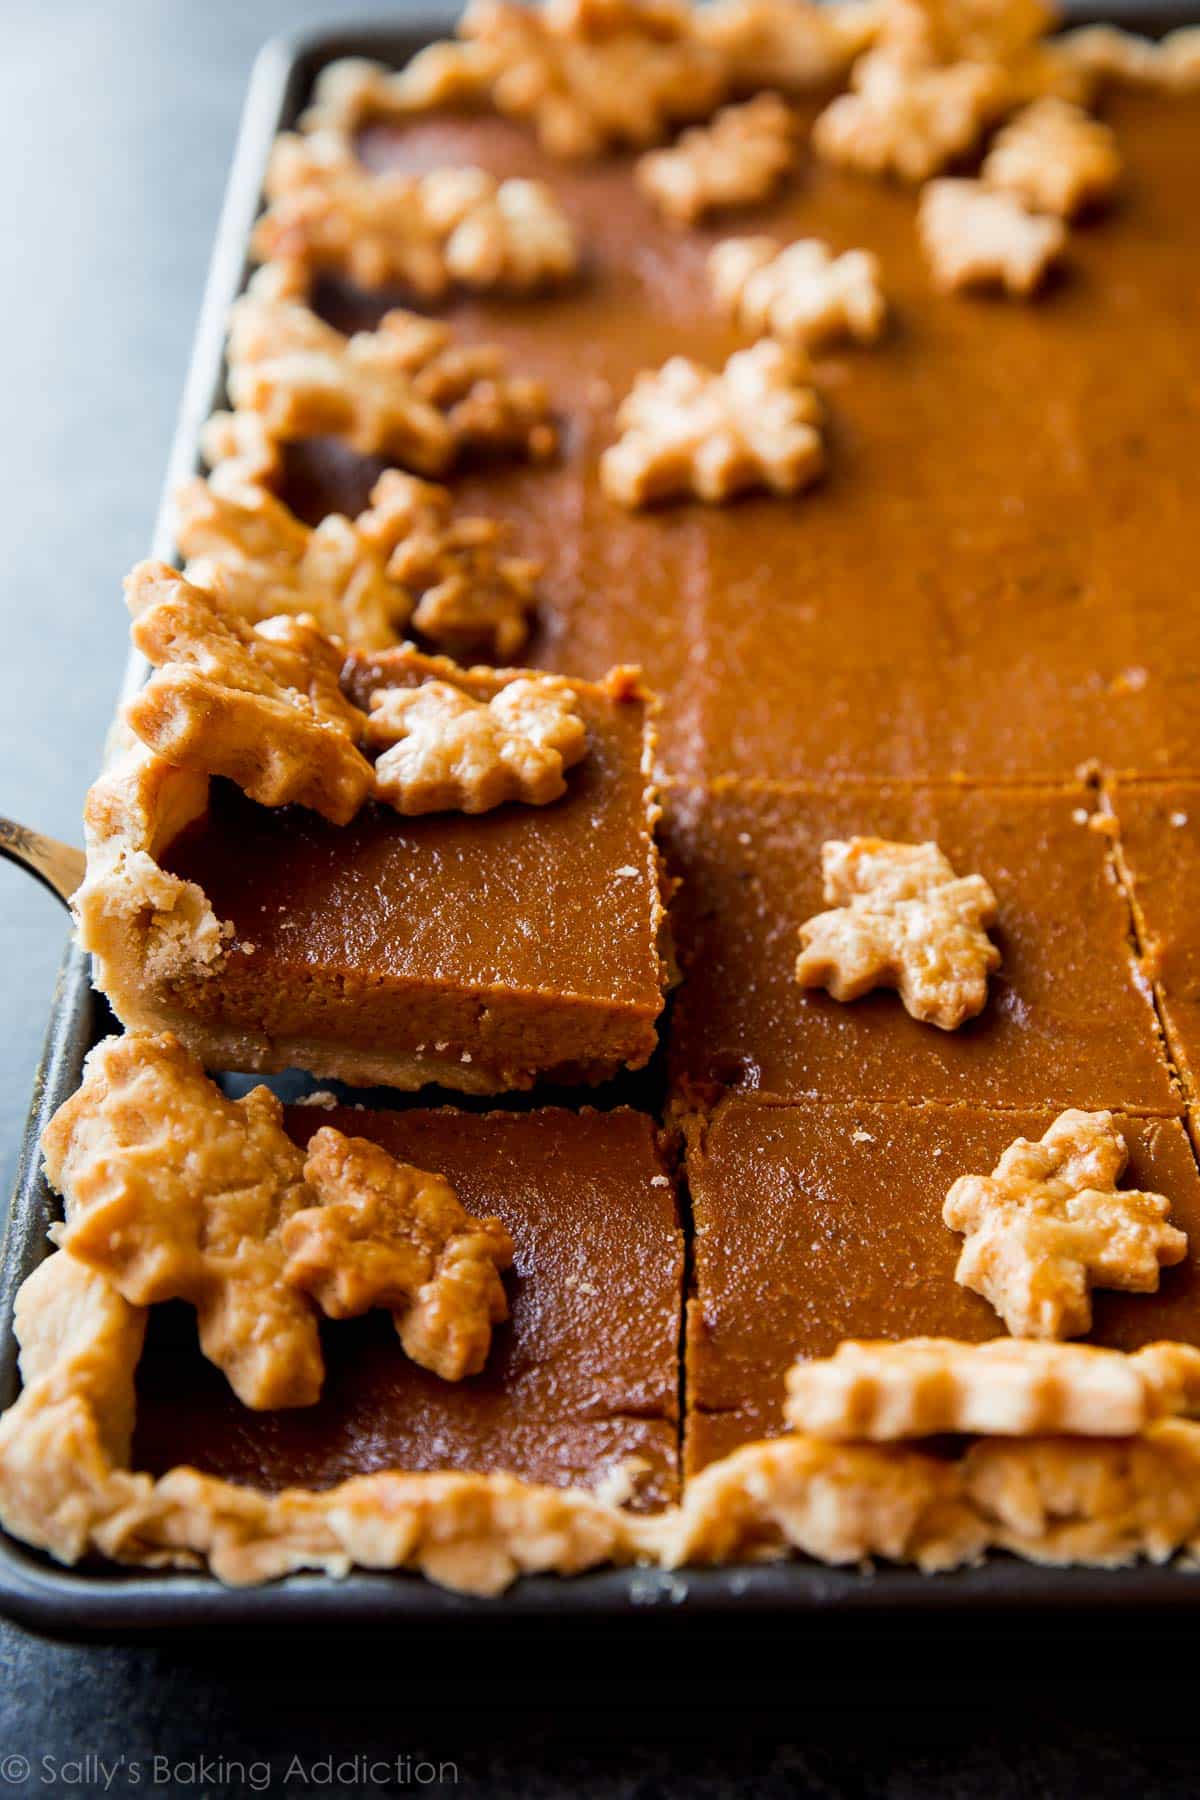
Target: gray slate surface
<point>117,123</point>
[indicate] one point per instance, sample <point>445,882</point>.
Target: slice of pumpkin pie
<point>478,906</point>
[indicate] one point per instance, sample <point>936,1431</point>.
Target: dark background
<point>117,125</point>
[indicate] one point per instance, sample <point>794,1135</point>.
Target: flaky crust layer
<point>1101,1502</point>
<point>142,925</point>
<point>838,1503</point>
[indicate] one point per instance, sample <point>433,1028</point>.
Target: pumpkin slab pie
<point>481,951</point>
<point>1067,1018</point>
<point>823,1222</point>
<point>931,769</point>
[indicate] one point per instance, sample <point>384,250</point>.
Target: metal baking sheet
<point>102,1601</point>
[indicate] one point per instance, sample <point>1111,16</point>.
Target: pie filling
<point>1068,1020</point>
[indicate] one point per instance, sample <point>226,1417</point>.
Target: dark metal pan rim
<point>111,1602</point>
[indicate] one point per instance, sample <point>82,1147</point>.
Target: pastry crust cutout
<point>688,431</point>
<point>901,918</point>
<point>1049,1224</point>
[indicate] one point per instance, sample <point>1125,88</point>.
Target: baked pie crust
<point>327,212</point>
<point>405,391</point>
<point>174,1191</point>
<point>1101,1502</point>
<point>1109,54</point>
<point>1049,1223</point>
<point>355,91</point>
<point>405,562</point>
<point>738,159</point>
<point>1006,1387</point>
<point>900,917</point>
<point>976,236</point>
<point>800,293</point>
<point>688,431</point>
<point>589,74</point>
